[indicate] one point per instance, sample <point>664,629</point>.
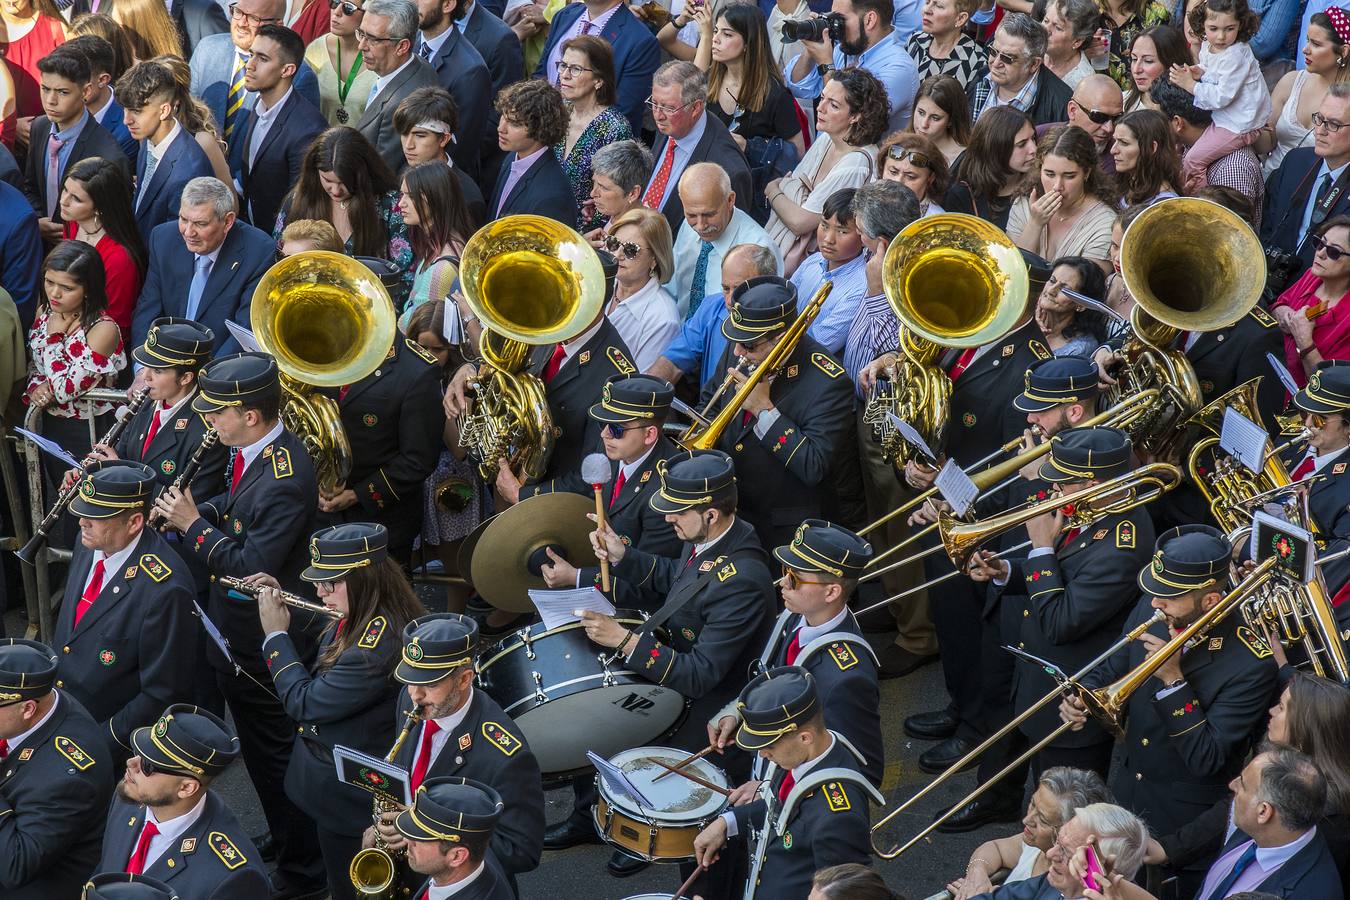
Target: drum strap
<point>677,600</point>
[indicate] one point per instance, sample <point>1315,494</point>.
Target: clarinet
<point>209,440</point>
<point>28,553</point>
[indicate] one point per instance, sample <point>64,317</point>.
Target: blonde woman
<point>148,27</point>
<point>642,311</point>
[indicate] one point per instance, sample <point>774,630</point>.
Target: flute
<point>286,597</point>
<point>209,440</point>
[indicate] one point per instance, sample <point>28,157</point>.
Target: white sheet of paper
<point>1244,440</point>
<point>956,487</point>
<point>214,633</point>
<point>243,336</point>
<point>395,773</point>
<point>560,607</point>
<point>1283,374</point>
<point>618,782</point>
<point>47,445</point>
<point>912,437</point>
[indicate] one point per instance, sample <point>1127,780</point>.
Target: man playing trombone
<point>1325,404</point>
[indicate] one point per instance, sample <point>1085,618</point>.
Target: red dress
<point>1331,330</point>
<point>22,58</point>
<point>124,279</point>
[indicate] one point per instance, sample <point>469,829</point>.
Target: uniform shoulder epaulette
<point>73,752</point>
<point>1254,642</point>
<point>1039,350</point>
<point>374,631</point>
<point>155,567</point>
<point>1125,535</point>
<point>224,848</point>
<point>836,797</point>
<point>843,655</point>
<point>823,362</point>
<point>502,739</point>
<point>620,361</point>
<point>726,571</point>
<point>420,351</point>
<point>281,463</point>
<point>1265,318</point>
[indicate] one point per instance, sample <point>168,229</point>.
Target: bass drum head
<point>675,801</point>
<point>604,720</point>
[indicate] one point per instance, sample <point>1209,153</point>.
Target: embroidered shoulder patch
<point>1039,349</point>
<point>155,567</point>
<point>1262,316</point>
<point>823,362</point>
<point>1260,649</point>
<point>706,565</point>
<point>281,463</point>
<point>224,848</point>
<point>502,739</point>
<point>71,751</point>
<point>420,351</point>
<point>1125,535</point>
<point>620,361</point>
<point>374,631</point>
<point>843,656</point>
<point>836,797</point>
<point>726,571</point>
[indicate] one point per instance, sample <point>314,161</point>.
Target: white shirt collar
<point>573,347</point>
<point>157,150</point>
<point>17,742</point>
<point>383,80</point>
<point>441,891</point>
<point>114,563</point>
<point>171,830</point>
<point>801,771</point>
<point>166,414</point>
<point>808,633</point>
<point>640,298</point>
<point>439,40</point>
<point>700,548</point>
<point>629,468</point>
<point>251,452</point>
<point>451,722</point>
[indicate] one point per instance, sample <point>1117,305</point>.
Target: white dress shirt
<point>263,121</point>
<point>448,724</point>
<point>169,832</point>
<point>441,891</point>
<point>111,564</point>
<point>383,80</point>
<point>798,774</point>
<point>250,453</point>
<point>16,742</point>
<point>153,153</point>
<point>647,321</point>
<point>742,229</point>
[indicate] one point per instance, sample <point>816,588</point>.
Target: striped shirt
<point>875,330</point>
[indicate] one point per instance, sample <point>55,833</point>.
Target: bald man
<point>712,226</point>
<point>1096,104</point>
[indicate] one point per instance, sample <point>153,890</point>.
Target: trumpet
<point>374,870</point>
<point>209,440</point>
<point>286,597</point>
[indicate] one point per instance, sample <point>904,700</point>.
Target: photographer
<point>857,32</point>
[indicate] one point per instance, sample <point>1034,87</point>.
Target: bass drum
<point>569,695</point>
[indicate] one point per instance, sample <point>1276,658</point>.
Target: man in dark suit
<point>1310,185</point>
<point>205,266</point>
<point>63,137</point>
<point>211,856</point>
<point>688,135</point>
<point>636,52</point>
<point>260,523</point>
<point>56,779</point>
<point>531,181</point>
<point>426,121</point>
<point>500,48</point>
<point>20,252</point>
<point>461,71</point>
<point>448,831</point>
<point>390,28</point>
<point>277,131</point>
<point>102,105</point>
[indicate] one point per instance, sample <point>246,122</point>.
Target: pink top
<point>22,57</point>
<point>72,367</point>
<point>1331,330</point>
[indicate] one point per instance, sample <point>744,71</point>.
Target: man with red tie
<point>167,823</point>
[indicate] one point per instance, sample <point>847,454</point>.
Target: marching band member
<point>125,629</point>
<point>818,633</point>
<point>448,831</point>
<point>464,733</point>
<point>820,818</point>
<point>348,698</point>
<point>257,524</point>
<point>1325,403</point>
<point>1188,729</point>
<point>166,821</point>
<point>54,779</point>
<point>125,886</point>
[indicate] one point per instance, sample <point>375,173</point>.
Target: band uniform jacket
<point>574,389</point>
<point>54,788</point>
<point>1329,506</point>
<point>1181,750</point>
<point>212,860</point>
<point>1072,605</point>
<point>726,609</point>
<point>845,671</point>
<point>349,703</point>
<point>132,653</point>
<point>489,884</point>
<point>487,747</point>
<point>395,424</point>
<point>173,446</point>
<point>630,515</point>
<point>982,418</point>
<point>262,526</point>
<point>783,477</point>
<point>828,827</point>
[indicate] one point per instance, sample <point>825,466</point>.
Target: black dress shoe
<point>941,757</point>
<point>897,661</point>
<point>980,812</point>
<point>570,832</point>
<point>267,848</point>
<point>937,725</point>
<point>621,865</point>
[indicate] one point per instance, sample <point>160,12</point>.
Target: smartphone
<point>1095,876</point>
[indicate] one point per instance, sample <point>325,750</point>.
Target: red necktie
<point>1071,535</point>
<point>90,593</point>
<point>786,787</point>
<point>238,470</point>
<point>342,392</point>
<point>745,418</point>
<point>419,772</point>
<point>150,435</point>
<point>618,486</point>
<point>136,865</point>
<point>690,561</point>
<point>794,648</point>
<point>961,363</point>
<point>658,189</point>
<point>554,363</point>
<point>4,749</point>
<point>1304,469</point>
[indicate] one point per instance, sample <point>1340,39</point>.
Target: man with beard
<point>448,830</point>
<point>167,823</point>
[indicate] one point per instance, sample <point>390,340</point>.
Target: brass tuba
<point>1191,265</point>
<point>328,322</point>
<point>531,281</point>
<point>954,281</point>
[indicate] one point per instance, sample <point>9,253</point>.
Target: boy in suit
<point>461,71</point>
<point>531,180</point>
<point>427,121</point>
<point>102,105</point>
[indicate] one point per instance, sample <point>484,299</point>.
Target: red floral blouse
<point>72,367</point>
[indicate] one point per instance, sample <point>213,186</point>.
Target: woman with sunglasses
<point>344,80</point>
<point>1148,165</point>
<point>745,88</point>
<point>1152,55</point>
<point>1067,208</point>
<point>942,114</point>
<point>347,697</point>
<point>1312,312</point>
<point>1326,59</point>
<point>642,311</point>
<point>1001,154</point>
<point>942,47</point>
<point>914,161</point>
<point>587,81</point>
<point>851,117</point>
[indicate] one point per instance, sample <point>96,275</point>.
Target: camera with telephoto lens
<point>813,29</point>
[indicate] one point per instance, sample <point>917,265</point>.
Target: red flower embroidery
<point>1190,707</point>
<point>76,348</point>
<point>58,366</point>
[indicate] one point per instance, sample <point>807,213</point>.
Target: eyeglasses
<point>1096,115</point>
<point>666,110</point>
<point>900,154</point>
<point>1317,421</point>
<point>1331,125</point>
<point>249,18</point>
<point>791,579</point>
<point>1331,250</point>
<point>574,70</point>
<point>365,37</point>
<point>348,9</point>
<point>1008,59</point>
<point>629,249</point>
<point>617,431</point>
<point>148,769</point>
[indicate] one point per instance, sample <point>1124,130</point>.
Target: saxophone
<point>374,870</point>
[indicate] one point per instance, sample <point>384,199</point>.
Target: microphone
<point>595,472</point>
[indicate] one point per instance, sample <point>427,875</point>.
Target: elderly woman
<point>587,81</point>
<point>642,311</point>
<point>619,172</point>
<point>1070,26</point>
<point>915,161</point>
<point>531,180</point>
<point>942,47</point>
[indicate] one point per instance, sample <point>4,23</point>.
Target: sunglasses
<point>900,154</point>
<point>791,579</point>
<point>1096,115</point>
<point>617,431</point>
<point>1008,59</point>
<point>148,769</point>
<point>1331,250</point>
<point>629,249</point>
<point>348,9</point>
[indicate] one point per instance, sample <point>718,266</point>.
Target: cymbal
<point>500,570</point>
<point>464,557</point>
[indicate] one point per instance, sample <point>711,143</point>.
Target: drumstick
<point>715,788</point>
<point>689,882</point>
<point>595,472</point>
<point>686,761</point>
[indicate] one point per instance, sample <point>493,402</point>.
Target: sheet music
<point>214,633</point>
<point>1244,440</point>
<point>47,445</point>
<point>243,336</point>
<point>372,773</point>
<point>912,437</point>
<point>956,487</point>
<point>618,782</point>
<point>1282,373</point>
<point>564,607</point>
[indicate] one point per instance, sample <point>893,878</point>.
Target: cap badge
<point>161,727</point>
<point>314,551</point>
<point>87,488</point>
<point>152,338</point>
<point>413,651</point>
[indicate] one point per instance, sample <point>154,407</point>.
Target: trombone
<point>1106,704</point>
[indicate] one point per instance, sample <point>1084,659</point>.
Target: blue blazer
<point>461,71</point>
<point>212,63</point>
<point>1287,191</point>
<point>1311,872</point>
<point>1038,888</point>
<point>244,256</point>
<point>636,55</point>
<point>9,169</point>
<point>542,191</point>
<point>183,161</point>
<point>94,140</point>
<point>277,166</point>
<point>114,123</point>
<point>20,251</point>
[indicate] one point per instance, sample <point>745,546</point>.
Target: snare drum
<point>681,808</point>
<point>569,695</point>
